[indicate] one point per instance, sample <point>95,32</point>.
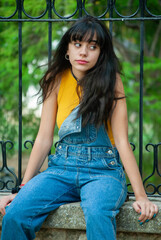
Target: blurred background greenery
<point>126,39</point>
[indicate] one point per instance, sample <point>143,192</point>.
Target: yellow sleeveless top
<point>68,100</point>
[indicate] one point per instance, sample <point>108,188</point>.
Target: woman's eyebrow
<point>95,41</point>
<point>90,41</point>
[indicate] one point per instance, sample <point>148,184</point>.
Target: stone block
<point>59,234</point>
<point>67,223</point>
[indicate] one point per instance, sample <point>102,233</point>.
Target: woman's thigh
<point>101,199</point>
<point>103,194</point>
<point>42,194</point>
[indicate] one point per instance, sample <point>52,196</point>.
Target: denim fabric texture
<point>86,168</point>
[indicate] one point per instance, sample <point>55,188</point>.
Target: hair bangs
<point>87,32</point>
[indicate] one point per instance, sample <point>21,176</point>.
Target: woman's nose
<point>84,50</point>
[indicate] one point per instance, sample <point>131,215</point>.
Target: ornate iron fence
<point>141,14</point>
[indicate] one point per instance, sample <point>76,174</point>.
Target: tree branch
<point>127,53</point>
<point>155,40</point>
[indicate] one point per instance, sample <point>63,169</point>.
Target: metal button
<point>112,163</point>
<point>110,152</point>
<point>60,147</point>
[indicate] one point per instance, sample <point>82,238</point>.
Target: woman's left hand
<point>146,209</point>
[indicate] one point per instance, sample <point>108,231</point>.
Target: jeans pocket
<point>113,164</point>
<point>101,166</point>
<point>56,164</point>
<point>110,163</point>
<point>51,159</point>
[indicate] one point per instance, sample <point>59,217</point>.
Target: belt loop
<point>89,154</point>
<point>114,152</point>
<point>56,144</point>
<point>66,154</point>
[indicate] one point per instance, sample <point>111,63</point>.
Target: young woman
<point>83,92</point>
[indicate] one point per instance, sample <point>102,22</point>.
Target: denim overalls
<point>85,168</point>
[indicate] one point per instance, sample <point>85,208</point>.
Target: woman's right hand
<point>5,201</point>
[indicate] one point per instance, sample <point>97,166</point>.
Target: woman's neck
<point>77,75</point>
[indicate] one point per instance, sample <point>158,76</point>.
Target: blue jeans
<point>78,171</point>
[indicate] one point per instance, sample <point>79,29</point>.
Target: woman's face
<point>83,56</point>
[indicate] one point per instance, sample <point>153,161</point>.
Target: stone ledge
<point>70,216</point>
<point>69,220</point>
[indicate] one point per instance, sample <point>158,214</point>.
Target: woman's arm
<point>44,139</point>
<point>119,124</point>
<point>41,146</point>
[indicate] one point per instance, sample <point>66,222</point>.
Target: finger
<point>147,212</point>
<point>156,208</point>
<point>2,210</point>
<point>141,209</point>
<point>142,213</point>
<point>152,212</point>
<point>137,207</point>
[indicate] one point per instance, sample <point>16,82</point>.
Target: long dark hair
<point>98,85</point>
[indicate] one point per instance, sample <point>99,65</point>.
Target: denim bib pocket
<point>86,136</point>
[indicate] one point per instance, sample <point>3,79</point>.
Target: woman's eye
<point>92,47</point>
<point>77,44</point>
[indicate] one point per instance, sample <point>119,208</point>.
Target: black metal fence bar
<point>111,7</point>
<point>73,20</point>
<point>20,92</point>
<point>49,31</point>
<point>51,11</point>
<point>111,15</point>
<point>80,7</point>
<point>141,88</point>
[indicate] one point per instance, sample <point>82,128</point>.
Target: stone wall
<point>67,223</point>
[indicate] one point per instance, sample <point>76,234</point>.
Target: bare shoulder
<point>57,85</point>
<point>49,111</point>
<point>54,88</point>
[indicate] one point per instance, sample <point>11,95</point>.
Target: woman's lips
<point>81,61</point>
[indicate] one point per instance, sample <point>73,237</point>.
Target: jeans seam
<point>102,175</point>
<point>119,200</point>
<point>41,210</point>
